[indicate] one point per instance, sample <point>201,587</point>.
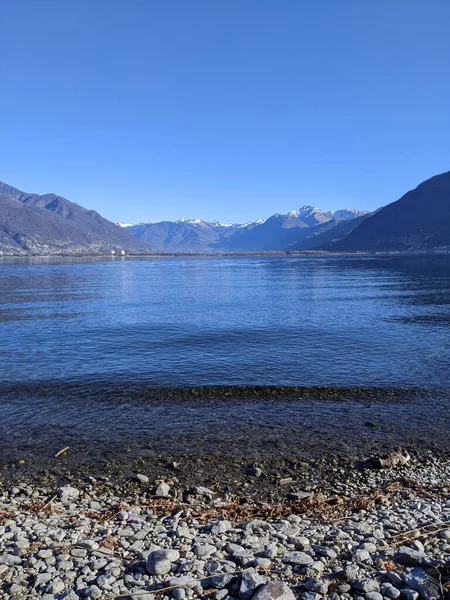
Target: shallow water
<point>78,335</point>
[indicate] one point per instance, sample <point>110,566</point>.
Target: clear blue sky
<point>227,109</point>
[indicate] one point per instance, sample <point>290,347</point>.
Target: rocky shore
<point>359,532</point>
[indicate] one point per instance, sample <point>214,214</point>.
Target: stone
<point>373,596</point>
<point>395,579</point>
<point>182,581</point>
<point>310,596</point>
<point>409,594</point>
<point>298,496</point>
<point>221,527</point>
<point>93,592</point>
<point>362,555</point>
<point>351,571</point>
<point>254,472</point>
<point>300,542</point>
<point>250,582</point>
<point>371,548</point>
<point>143,479</point>
<point>274,590</point>
<point>366,585</point>
<point>221,581</point>
<point>42,579</point>
<point>179,593</point>
<point>315,584</point>
<point>409,557</point>
<point>325,551</point>
<point>158,566</point>
<point>203,491</point>
<point>10,560</point>
<point>204,550</point>
<point>167,554</point>
<point>56,587</point>
<point>297,558</point>
<point>428,587</point>
<point>163,490</point>
<point>390,591</point>
<point>68,493</point>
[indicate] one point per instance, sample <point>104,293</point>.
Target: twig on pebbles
<point>419,532</point>
<point>49,501</point>
<point>62,451</point>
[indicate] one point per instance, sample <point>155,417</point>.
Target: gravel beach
<point>350,530</point>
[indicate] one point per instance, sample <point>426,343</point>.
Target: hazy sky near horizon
<point>223,109</point>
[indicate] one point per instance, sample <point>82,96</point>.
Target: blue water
<point>169,322</point>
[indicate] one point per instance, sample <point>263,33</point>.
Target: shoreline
<point>362,533</point>
<point>215,434</point>
<point>226,509</point>
<point>279,253</point>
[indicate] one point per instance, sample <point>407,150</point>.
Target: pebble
<point>274,590</point>
<point>162,491</point>
<point>68,493</point>
<point>142,478</point>
<point>72,554</point>
<point>249,583</point>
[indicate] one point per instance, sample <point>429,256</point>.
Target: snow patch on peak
<point>124,225</point>
<point>218,224</point>
<point>191,221</point>
<point>309,210</point>
<point>248,223</point>
<point>348,213</point>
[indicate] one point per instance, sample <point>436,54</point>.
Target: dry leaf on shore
<point>396,458</point>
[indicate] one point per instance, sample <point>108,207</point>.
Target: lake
<point>81,338</point>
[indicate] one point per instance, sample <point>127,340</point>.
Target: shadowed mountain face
<point>420,220</point>
<point>275,233</point>
<point>321,236</point>
<point>50,224</point>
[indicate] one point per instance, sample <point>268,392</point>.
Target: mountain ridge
<point>50,224</point>
<point>263,235</point>
<point>418,221</point>
<point>33,224</point>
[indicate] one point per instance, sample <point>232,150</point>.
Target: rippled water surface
<point>206,321</point>
<point>104,324</point>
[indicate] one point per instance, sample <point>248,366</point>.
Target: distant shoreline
<point>229,254</point>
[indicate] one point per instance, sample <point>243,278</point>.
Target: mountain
<point>322,236</point>
<point>182,236</point>
<point>50,224</point>
<point>264,235</point>
<point>419,220</point>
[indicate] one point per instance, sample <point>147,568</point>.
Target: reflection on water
<point>228,320</point>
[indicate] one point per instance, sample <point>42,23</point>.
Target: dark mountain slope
<point>50,224</point>
<point>321,236</point>
<point>420,220</point>
<point>36,231</point>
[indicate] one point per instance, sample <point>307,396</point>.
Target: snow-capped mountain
<point>124,225</point>
<point>348,213</point>
<point>194,235</point>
